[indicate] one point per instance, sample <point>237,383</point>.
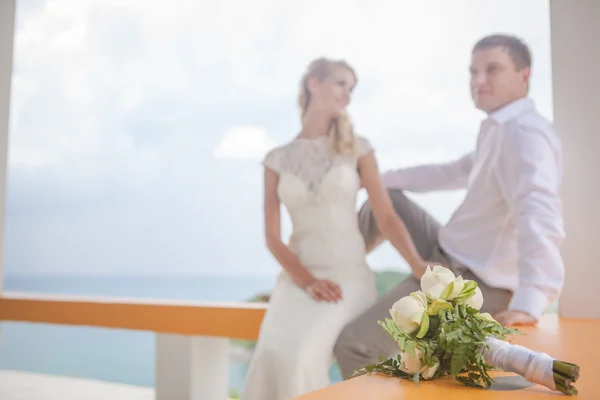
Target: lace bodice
<point>319,188</point>
<point>311,159</point>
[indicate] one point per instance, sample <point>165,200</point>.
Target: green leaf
<point>410,348</point>
<point>389,366</point>
<point>469,286</point>
<point>424,326</point>
<point>402,343</point>
<point>446,293</point>
<point>467,292</point>
<point>416,379</point>
<point>437,305</point>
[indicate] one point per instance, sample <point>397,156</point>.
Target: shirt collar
<point>512,110</point>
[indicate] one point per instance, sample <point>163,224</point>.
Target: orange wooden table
<point>572,340</point>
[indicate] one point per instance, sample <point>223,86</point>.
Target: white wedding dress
<point>294,352</point>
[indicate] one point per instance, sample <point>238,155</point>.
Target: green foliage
<point>462,336</point>
<point>451,334</point>
<point>388,366</point>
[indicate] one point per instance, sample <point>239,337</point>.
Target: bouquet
<point>441,332</point>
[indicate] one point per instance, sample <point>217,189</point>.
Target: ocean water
<point>114,355</point>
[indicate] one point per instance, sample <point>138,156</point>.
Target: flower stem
<point>566,389</point>
<point>565,374</point>
<point>566,369</point>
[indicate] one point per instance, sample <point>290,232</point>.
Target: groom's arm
<point>529,175</point>
<point>451,175</point>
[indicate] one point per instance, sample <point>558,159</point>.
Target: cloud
<point>126,117</point>
<point>245,143</point>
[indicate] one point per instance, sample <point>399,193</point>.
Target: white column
<point>192,367</point>
<point>7,28</point>
<point>575,32</point>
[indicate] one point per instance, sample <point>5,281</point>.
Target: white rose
<point>435,281</point>
<point>410,365</point>
<point>414,365</point>
<point>408,312</point>
<point>475,301</point>
<point>428,372</point>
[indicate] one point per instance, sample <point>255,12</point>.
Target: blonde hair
<point>341,131</point>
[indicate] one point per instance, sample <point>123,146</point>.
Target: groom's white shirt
<point>509,228</point>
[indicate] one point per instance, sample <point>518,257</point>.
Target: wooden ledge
<point>572,340</point>
<point>230,320</point>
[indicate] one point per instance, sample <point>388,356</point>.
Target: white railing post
<point>191,367</point>
<point>7,32</point>
<point>575,29</point>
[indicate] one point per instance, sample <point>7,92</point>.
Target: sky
<point>137,127</point>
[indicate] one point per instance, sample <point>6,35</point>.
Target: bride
<point>325,282</point>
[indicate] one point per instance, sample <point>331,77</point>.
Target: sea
<point>114,355</point>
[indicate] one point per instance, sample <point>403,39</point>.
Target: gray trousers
<point>363,340</point>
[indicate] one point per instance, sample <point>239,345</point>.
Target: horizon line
<point>159,274</point>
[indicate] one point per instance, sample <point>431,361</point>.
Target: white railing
<point>192,338</point>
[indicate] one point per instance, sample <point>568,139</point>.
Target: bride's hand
<point>324,290</point>
<point>419,268</point>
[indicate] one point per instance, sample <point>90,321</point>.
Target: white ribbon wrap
<point>533,366</point>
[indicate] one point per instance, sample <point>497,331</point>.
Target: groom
<point>506,234</point>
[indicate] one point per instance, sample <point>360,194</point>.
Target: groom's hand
<point>512,317</point>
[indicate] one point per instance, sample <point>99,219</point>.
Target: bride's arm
<point>389,223</point>
<point>272,211</point>
<point>375,244</point>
